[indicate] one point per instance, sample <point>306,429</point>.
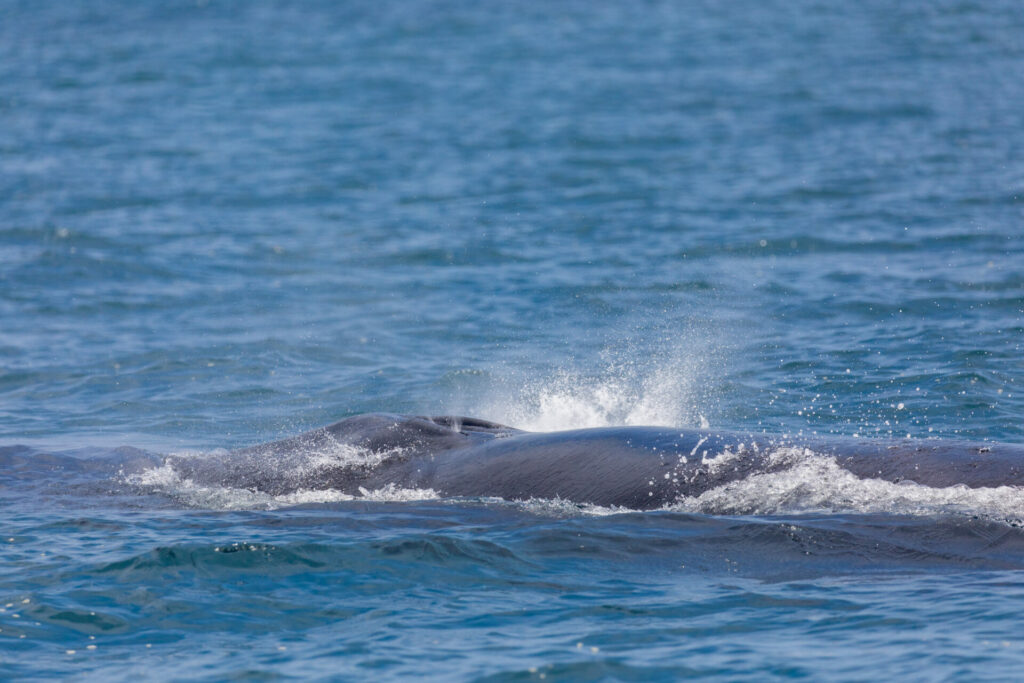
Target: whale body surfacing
<point>638,468</point>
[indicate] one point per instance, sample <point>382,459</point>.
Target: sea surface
<point>223,223</point>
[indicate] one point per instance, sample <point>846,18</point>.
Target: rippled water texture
<point>222,223</point>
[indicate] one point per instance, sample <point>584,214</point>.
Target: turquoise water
<point>224,223</point>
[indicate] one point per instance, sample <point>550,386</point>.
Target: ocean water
<point>223,223</point>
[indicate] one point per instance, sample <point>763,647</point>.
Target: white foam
<point>334,454</point>
<point>168,481</point>
<point>798,480</point>
<point>560,507</point>
<point>317,457</point>
<point>392,493</point>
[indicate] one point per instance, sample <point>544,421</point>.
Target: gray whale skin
<point>631,467</point>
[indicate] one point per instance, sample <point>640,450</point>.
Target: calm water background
<point>225,222</point>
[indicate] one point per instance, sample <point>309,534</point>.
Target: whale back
<point>346,455</point>
<point>630,467</point>
<point>386,432</point>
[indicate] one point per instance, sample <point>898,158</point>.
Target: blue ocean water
<point>223,222</point>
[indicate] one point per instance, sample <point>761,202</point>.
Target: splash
<point>668,390</point>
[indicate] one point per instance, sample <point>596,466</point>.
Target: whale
<point>639,468</point>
